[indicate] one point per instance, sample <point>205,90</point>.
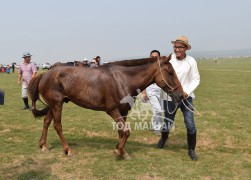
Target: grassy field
<point>224,136</point>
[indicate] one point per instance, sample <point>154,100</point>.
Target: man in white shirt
<point>152,93</point>
<point>186,69</point>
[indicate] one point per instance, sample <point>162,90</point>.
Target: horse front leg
<point>57,111</point>
<point>120,147</point>
<point>47,121</point>
<point>126,134</point>
<point>123,133</point>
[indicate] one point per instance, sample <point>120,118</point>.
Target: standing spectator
<point>8,69</point>
<point>85,62</point>
<point>98,60</point>
<point>94,63</point>
<point>13,67</point>
<point>3,69</point>
<point>27,71</point>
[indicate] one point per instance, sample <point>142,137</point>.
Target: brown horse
<point>100,89</point>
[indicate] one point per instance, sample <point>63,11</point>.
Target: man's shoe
<point>192,154</point>
<point>191,142</point>
<point>162,141</point>
<point>26,108</point>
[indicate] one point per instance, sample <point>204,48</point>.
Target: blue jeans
<point>188,115</point>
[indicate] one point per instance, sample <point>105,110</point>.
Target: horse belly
<point>89,103</point>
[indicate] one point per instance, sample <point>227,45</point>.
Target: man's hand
<point>185,96</point>
<point>144,97</point>
<point>34,74</point>
<point>19,79</point>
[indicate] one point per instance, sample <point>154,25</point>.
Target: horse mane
<point>60,64</point>
<point>133,62</point>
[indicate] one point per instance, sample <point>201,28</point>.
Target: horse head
<point>167,79</point>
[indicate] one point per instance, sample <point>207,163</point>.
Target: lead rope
<point>195,111</point>
<point>173,110</point>
<point>169,87</point>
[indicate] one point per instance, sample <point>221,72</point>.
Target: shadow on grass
<point>99,143</point>
<point>28,169</point>
<point>35,174</point>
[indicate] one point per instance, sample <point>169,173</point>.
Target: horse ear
<point>169,57</point>
<point>165,59</point>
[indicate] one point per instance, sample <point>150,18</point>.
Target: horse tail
<point>34,95</point>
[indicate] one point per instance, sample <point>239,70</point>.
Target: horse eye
<point>170,73</point>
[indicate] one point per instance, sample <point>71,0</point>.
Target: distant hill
<point>226,53</point>
<point>201,54</point>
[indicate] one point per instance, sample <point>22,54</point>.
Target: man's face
<point>155,54</point>
<point>27,59</point>
<point>180,50</point>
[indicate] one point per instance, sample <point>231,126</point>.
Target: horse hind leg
<point>47,121</point>
<point>57,111</point>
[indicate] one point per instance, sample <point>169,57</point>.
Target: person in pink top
<point>27,71</point>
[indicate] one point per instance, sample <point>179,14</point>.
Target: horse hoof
<point>44,149</point>
<point>69,153</point>
<point>117,152</point>
<point>121,154</point>
<point>126,156</point>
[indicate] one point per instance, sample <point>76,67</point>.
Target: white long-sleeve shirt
<point>188,74</point>
<point>153,90</point>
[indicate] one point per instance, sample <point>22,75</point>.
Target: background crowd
<point>7,69</point>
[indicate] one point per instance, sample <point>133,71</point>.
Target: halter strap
<point>172,89</point>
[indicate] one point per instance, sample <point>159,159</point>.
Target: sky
<point>67,30</point>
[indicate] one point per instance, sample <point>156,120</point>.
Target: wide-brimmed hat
<point>184,40</point>
<point>85,60</point>
<point>26,54</point>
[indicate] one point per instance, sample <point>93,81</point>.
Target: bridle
<point>163,79</point>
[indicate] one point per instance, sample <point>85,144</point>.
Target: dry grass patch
<point>96,134</point>
<point>5,130</point>
<point>148,177</point>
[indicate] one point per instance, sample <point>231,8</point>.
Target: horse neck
<point>143,76</point>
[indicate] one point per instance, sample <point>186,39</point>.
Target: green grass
<point>223,98</point>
